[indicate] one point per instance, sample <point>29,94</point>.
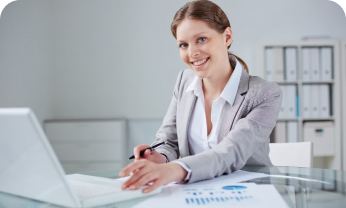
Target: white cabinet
<point>343,78</point>
<point>320,134</point>
<point>317,96</point>
<point>88,145</point>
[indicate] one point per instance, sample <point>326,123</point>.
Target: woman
<point>220,117</point>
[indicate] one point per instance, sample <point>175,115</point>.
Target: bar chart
<point>218,196</point>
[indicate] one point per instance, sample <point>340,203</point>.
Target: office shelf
<point>317,82</point>
<point>331,162</point>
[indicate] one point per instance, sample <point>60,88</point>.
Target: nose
<point>193,51</point>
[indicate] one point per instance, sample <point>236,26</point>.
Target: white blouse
<point>197,136</point>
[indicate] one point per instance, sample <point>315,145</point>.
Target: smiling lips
<point>199,63</point>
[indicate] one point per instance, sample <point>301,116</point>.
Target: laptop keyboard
<point>87,190</point>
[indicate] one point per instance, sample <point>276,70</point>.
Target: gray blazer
<point>244,128</point>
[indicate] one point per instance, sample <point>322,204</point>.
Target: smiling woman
<point>220,117</point>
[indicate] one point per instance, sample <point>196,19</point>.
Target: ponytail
<point>241,61</point>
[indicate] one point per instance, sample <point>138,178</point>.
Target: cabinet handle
<point>319,130</point>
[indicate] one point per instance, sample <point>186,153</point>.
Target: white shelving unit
<point>333,161</point>
<point>343,92</point>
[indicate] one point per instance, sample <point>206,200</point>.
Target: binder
<point>305,64</point>
<point>278,64</point>
<point>269,64</point>
<point>291,64</point>
<point>314,103</point>
<point>283,132</point>
<point>324,107</point>
<point>280,132</point>
<point>306,111</point>
<point>277,134</point>
<point>314,64</point>
<point>326,64</point>
<point>282,113</point>
<point>292,131</point>
<point>290,104</point>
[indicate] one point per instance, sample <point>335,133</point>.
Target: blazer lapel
<point>230,111</point>
<point>187,103</point>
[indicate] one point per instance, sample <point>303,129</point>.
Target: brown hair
<point>207,11</point>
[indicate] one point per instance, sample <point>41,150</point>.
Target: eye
<point>201,39</point>
<point>183,45</point>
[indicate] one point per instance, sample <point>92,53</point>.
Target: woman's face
<point>202,48</point>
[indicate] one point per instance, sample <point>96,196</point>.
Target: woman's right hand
<point>153,156</point>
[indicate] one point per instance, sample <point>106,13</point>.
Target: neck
<point>214,85</point>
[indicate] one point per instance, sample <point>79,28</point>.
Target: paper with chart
<point>224,191</point>
<point>220,196</point>
<point>244,195</point>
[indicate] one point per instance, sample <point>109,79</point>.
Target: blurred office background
<point>110,60</point>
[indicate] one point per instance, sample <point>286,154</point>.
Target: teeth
<point>199,62</point>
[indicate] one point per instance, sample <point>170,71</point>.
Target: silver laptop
<point>30,168</point>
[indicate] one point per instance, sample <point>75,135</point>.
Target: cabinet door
<point>84,167</point>
<point>89,151</point>
<point>85,130</point>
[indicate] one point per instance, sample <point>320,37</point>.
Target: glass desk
<point>299,187</point>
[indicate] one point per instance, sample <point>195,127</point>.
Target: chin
<point>201,74</point>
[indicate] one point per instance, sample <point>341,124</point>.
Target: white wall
<point>25,60</point>
<point>106,59</point>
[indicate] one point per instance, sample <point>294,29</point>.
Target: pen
<point>149,148</point>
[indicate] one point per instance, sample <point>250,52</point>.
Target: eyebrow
<point>193,36</point>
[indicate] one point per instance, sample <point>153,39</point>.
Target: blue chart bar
<point>187,201</point>
<point>226,198</point>
<point>207,200</point>
<point>202,200</point>
<point>211,193</point>
<point>233,187</point>
<point>222,199</point>
<point>197,201</point>
<point>237,198</point>
<point>212,199</point>
<point>194,194</point>
<point>191,200</point>
<point>217,199</point>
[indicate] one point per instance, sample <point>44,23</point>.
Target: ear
<point>228,36</point>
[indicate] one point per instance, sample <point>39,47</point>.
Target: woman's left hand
<point>145,171</point>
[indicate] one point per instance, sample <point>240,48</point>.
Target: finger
<point>132,167</point>
<point>137,149</point>
<point>135,177</point>
<point>154,186</point>
<point>146,153</point>
<point>133,172</point>
<point>143,180</point>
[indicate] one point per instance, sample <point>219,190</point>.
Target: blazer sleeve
<point>168,131</point>
<point>248,134</point>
